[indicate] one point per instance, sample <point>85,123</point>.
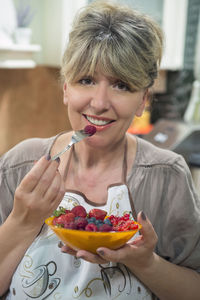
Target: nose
<point>101,97</point>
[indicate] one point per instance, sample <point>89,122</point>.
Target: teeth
<point>97,122</point>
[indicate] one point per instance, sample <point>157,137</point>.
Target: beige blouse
<point>159,182</point>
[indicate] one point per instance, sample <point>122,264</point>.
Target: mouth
<point>98,121</point>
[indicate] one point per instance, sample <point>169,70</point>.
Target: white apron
<point>47,273</point>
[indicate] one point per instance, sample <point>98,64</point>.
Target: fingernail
<point>48,157</point>
<point>143,216</point>
<point>100,252</point>
<point>60,244</point>
<point>58,159</point>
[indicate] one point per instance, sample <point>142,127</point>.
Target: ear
<point>141,106</point>
<point>65,100</point>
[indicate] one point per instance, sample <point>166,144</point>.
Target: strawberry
<point>58,220</point>
<point>95,220</point>
<point>64,219</point>
<point>60,211</point>
<point>79,211</point>
<point>99,214</point>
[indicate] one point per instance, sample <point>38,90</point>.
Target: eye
<point>122,86</point>
<point>86,81</point>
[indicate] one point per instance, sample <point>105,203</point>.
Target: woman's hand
<point>38,194</point>
<point>136,254</point>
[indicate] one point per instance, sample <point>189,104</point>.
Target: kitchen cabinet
<point>14,54</point>
<point>57,18</point>
<point>52,23</point>
<point>171,14</point>
<point>18,56</point>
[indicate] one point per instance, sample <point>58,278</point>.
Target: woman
<point>109,65</point>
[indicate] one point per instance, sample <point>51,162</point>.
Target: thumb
<point>147,230</point>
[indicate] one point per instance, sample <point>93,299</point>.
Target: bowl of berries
<point>84,230</point>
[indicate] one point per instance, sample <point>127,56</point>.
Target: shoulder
<point>26,151</point>
<point>160,171</point>
<point>161,185</point>
<point>151,155</point>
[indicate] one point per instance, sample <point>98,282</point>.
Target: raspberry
<point>134,226</point>
<point>91,227</point>
<point>99,214</point>
<point>96,220</point>
<point>105,228</point>
<point>127,225</point>
<point>111,217</point>
<point>126,217</point>
<point>81,223</point>
<point>70,225</point>
<point>90,130</point>
<point>114,220</point>
<point>79,211</point>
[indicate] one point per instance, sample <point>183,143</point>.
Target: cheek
<point>75,102</point>
<point>127,110</point>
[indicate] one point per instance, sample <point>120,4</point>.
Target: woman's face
<point>104,102</point>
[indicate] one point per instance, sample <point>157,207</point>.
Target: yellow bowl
<point>90,240</point>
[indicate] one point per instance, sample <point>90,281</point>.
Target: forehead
<point>98,72</point>
<point>107,59</point>
<point>107,70</point>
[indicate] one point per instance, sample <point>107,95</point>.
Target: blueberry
<point>107,221</point>
<point>98,222</point>
<point>91,220</point>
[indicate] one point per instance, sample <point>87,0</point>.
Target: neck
<point>87,157</point>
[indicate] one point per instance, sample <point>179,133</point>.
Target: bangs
<point>104,55</point>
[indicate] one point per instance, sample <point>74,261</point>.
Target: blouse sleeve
<point>6,196</point>
<point>179,223</point>
<point>13,167</point>
<point>161,185</point>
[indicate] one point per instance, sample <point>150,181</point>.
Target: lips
<point>98,121</point>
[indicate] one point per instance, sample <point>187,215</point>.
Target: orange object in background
<point>141,125</point>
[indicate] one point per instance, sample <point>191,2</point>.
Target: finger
<point>68,250</point>
<point>32,178</point>
<point>148,233</point>
<point>114,255</point>
<point>138,241</point>
<point>47,178</point>
<point>90,257</point>
<point>58,198</point>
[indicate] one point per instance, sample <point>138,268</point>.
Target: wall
<point>30,105</point>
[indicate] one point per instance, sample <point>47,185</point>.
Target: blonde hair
<point>122,42</point>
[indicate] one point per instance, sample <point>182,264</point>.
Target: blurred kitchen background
<point>33,35</point>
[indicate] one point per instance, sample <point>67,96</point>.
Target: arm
<point>177,227</point>
<point>39,193</point>
<point>166,280</point>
